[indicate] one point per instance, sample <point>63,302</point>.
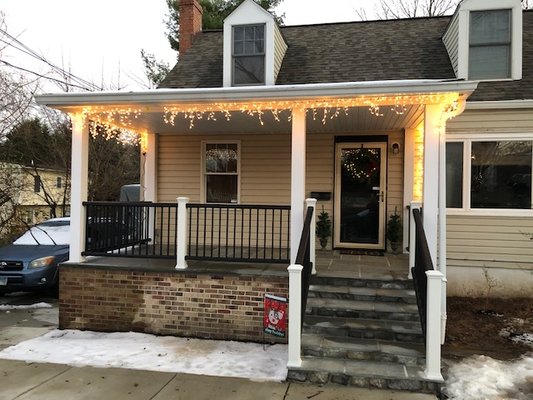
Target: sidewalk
<point>22,381</point>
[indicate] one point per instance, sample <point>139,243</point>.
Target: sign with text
<point>275,315</point>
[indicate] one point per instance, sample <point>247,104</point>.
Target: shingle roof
<point>355,51</point>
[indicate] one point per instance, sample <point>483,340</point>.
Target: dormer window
<point>490,44</point>
<point>248,54</point>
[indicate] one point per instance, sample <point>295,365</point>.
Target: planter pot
<point>395,247</point>
<point>323,243</point>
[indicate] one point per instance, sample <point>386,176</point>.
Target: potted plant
<point>323,228</point>
<point>394,231</point>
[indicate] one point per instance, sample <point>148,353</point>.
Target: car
<point>30,263</point>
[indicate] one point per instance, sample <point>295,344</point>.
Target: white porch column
<point>408,179</point>
<point>181,233</point>
<point>295,315</point>
<point>297,179</point>
<point>312,234</point>
<point>149,176</point>
<point>432,121</point>
<point>442,228</point>
<point>78,186</point>
<point>433,326</point>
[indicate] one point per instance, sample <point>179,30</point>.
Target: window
<point>221,176</point>
<point>454,175</point>
<point>58,182</point>
<point>498,175</point>
<point>248,54</point>
<point>501,175</point>
<point>36,184</point>
<point>490,44</point>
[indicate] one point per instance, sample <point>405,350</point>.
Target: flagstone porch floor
<point>328,263</point>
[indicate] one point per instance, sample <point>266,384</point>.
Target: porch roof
<point>151,110</point>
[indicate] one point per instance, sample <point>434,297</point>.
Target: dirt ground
<point>474,327</point>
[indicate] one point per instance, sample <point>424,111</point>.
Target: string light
<point>109,119</point>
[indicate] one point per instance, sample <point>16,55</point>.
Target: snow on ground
<point>155,353</point>
<point>484,378</point>
<point>8,307</point>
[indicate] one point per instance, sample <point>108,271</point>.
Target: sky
<point>101,40</point>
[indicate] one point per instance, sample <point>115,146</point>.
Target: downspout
<point>451,112</point>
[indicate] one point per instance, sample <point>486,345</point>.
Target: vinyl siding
<point>451,41</point>
<point>265,175</point>
<point>280,48</point>
<point>490,241</point>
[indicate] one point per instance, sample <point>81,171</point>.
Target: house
<point>29,194</point>
<point>368,118</point>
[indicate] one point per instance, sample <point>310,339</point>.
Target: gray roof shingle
<point>356,51</point>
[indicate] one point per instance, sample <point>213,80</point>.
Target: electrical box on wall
<point>321,196</point>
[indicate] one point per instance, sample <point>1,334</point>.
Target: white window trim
<point>203,172</point>
<point>516,34</point>
<point>467,140</point>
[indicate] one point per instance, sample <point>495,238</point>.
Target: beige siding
<point>503,242</point>
<point>487,122</point>
<point>490,241</point>
<point>280,48</point>
<point>451,41</point>
<point>265,168</point>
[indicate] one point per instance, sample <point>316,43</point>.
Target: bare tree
<point>387,9</point>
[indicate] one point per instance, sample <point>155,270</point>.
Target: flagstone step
<point>365,374</point>
<point>383,329</point>
<point>406,284</point>
<point>361,309</point>
<point>316,345</point>
<point>363,293</point>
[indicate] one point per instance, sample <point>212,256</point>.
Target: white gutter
<point>276,92</point>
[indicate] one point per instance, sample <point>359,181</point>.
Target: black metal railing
<point>303,258</point>
<point>236,232</point>
<point>423,263</point>
<point>131,229</point>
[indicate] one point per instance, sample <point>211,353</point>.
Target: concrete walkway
<point>22,381</point>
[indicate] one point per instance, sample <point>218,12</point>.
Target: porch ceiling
<point>349,107</point>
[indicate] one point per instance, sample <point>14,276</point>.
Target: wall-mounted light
<point>395,147</point>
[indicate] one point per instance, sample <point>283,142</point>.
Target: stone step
<point>361,309</point>
<point>316,345</point>
<point>363,293</point>
<point>383,329</point>
<point>406,284</point>
<point>365,374</point>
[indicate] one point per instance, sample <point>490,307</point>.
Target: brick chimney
<point>190,22</point>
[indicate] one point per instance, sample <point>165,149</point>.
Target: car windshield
<point>47,233</point>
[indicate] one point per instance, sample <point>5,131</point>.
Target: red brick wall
<point>166,303</point>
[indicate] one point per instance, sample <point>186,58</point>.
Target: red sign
<point>275,315</point>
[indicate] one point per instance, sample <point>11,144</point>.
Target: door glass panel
<point>360,191</point>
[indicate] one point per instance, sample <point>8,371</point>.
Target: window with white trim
<point>490,44</point>
<point>248,57</point>
<point>221,172</point>
<point>489,174</point>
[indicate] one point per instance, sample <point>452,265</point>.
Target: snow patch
<point>6,307</point>
<point>481,377</point>
<point>155,353</point>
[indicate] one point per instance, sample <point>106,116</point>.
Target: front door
<point>360,195</point>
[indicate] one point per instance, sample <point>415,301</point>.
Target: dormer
<point>253,46</point>
<point>484,40</point>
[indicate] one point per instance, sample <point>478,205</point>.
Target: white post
<point>149,176</point>
<point>297,179</point>
<point>408,179</point>
<point>78,186</point>
<point>295,315</point>
<point>432,127</point>
<point>412,235</point>
<point>442,228</point>
<point>312,239</point>
<point>181,233</point>
<point>433,326</point>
